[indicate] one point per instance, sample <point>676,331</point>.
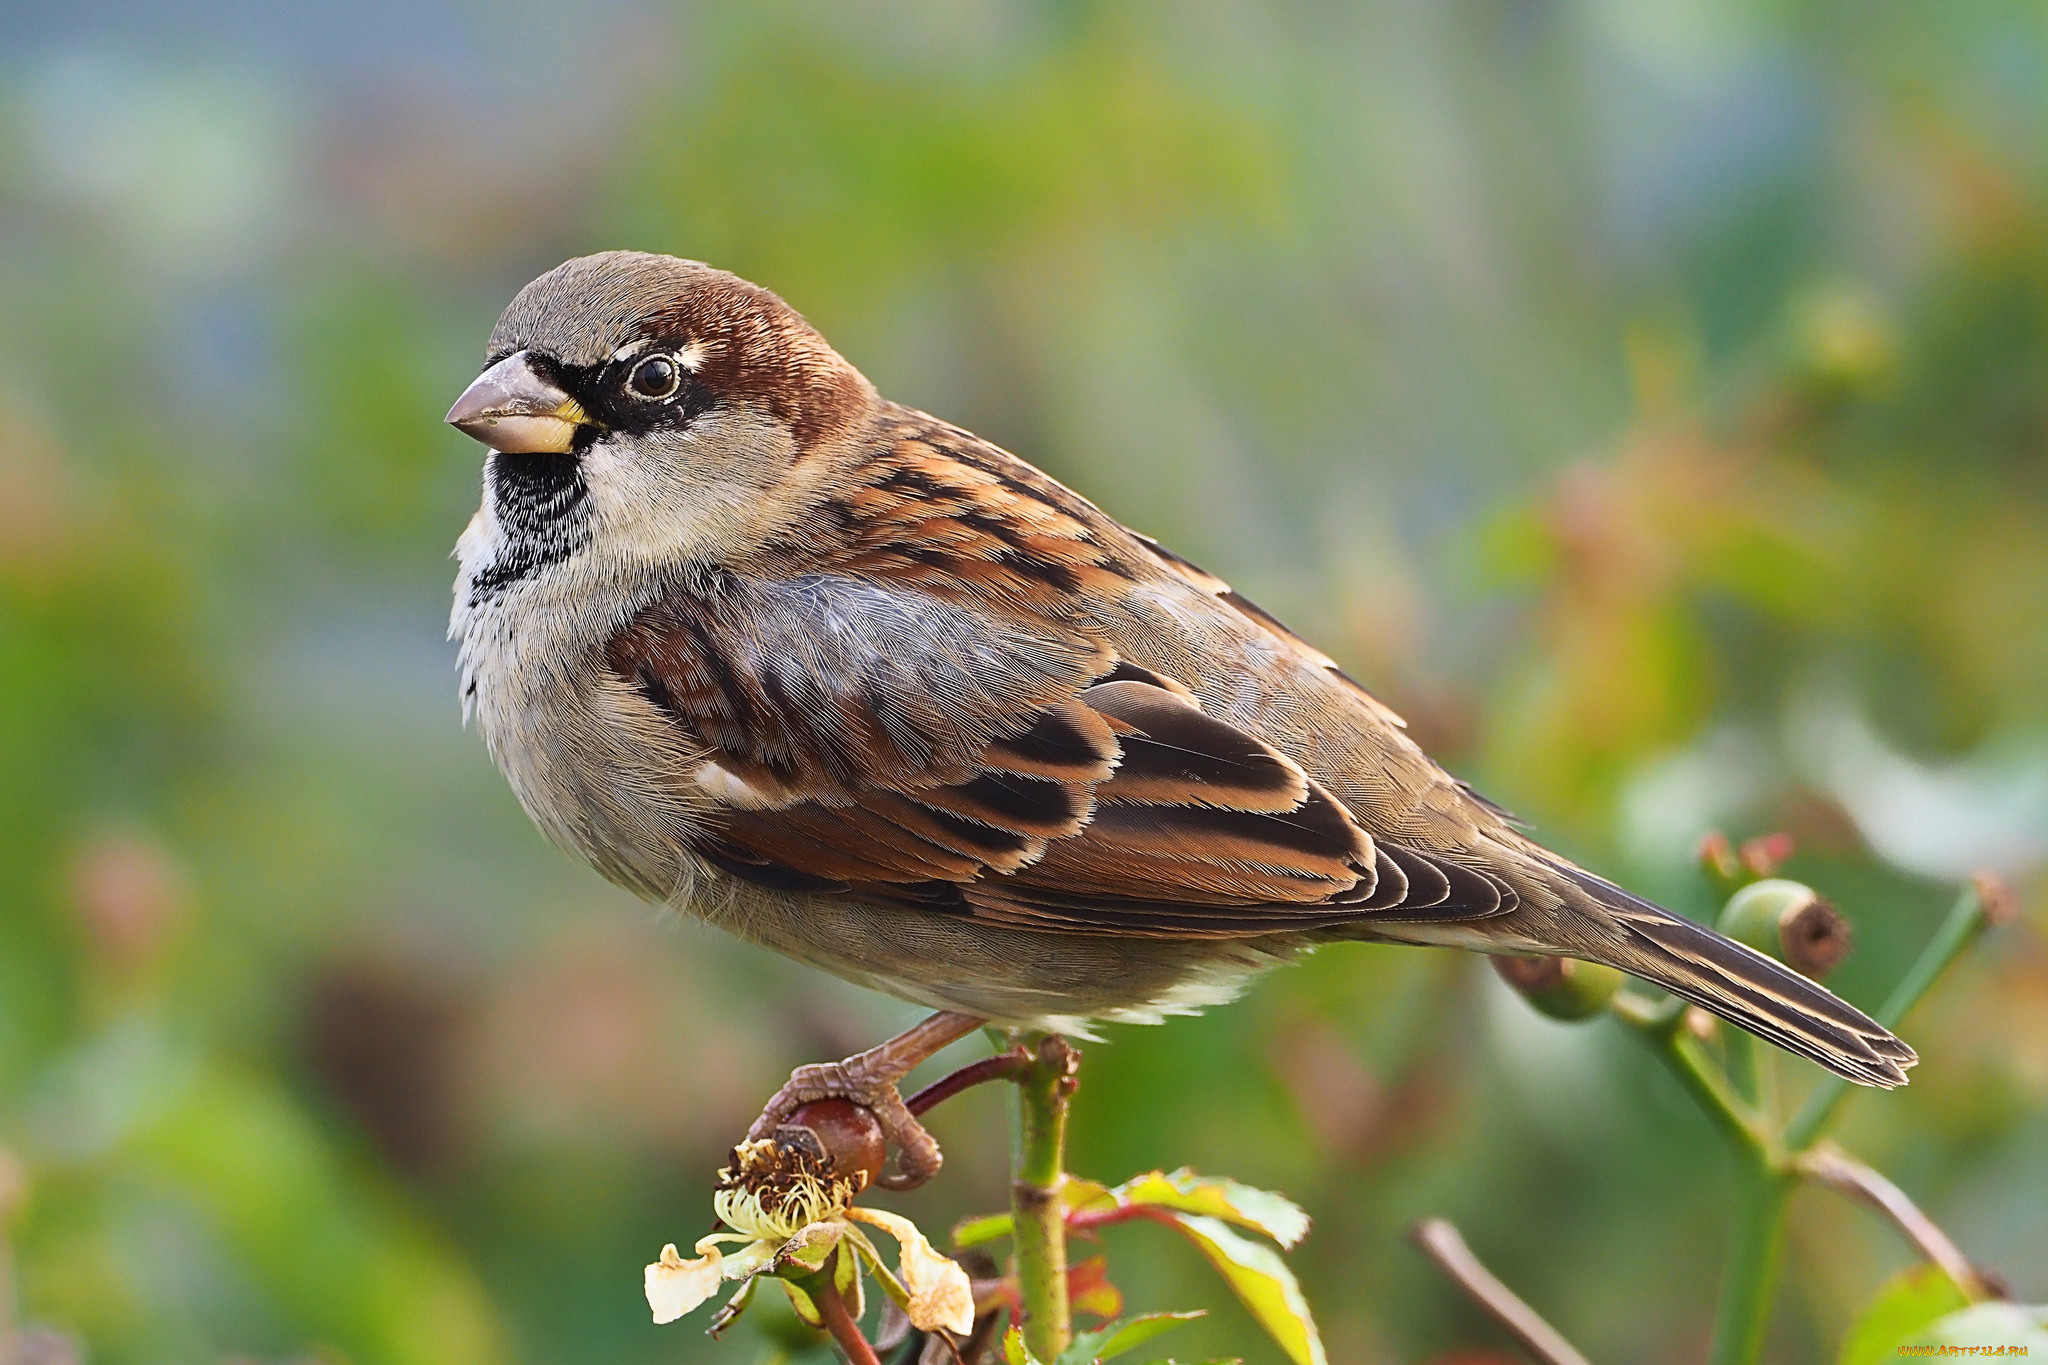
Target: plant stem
<point>1829,1165</point>
<point>1772,1164</point>
<point>1440,1241</point>
<point>1002,1066</point>
<point>1038,1169</point>
<point>1752,1270</point>
<point>1664,1030</point>
<point>839,1320</point>
<point>1744,1073</point>
<point>1752,1274</point>
<point>1967,920</point>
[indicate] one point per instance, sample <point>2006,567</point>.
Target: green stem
<point>1745,1072</point>
<point>1753,1257</point>
<point>1038,1168</point>
<point>1752,1274</point>
<point>1663,1028</point>
<point>1964,923</point>
<point>1735,1100</point>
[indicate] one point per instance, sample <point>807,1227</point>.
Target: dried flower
<point>789,1212</point>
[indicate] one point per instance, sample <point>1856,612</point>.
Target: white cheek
<point>701,493</point>
<point>647,505</point>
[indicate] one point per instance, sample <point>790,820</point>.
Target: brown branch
<point>839,1322</point>
<point>1000,1067</point>
<point>1829,1165</point>
<point>1440,1241</point>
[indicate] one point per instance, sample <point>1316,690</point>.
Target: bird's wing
<point>878,738</point>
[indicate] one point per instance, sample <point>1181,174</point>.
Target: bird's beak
<point>512,409</point>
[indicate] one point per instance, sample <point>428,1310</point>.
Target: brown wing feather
<point>911,711</point>
<point>1079,790</point>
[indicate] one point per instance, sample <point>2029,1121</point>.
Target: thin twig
<point>1440,1242</point>
<point>1000,1067</point>
<point>1829,1165</point>
<point>839,1320</point>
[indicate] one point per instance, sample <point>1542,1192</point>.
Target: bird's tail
<point>1745,987</point>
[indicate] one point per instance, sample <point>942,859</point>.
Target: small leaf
<point>1079,1193</point>
<point>730,1311</point>
<point>974,1231</point>
<point>1089,1289</point>
<point>846,1279</point>
<point>800,1300</point>
<point>1015,1352</point>
<point>1081,1350</point>
<point>808,1250</point>
<point>1257,1275</point>
<point>872,1258</point>
<point>1117,1337</point>
<point>1990,1324</point>
<point>1907,1305</point>
<point>1213,1196</point>
<point>1139,1330</point>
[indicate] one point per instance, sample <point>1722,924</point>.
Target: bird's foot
<point>869,1079</point>
<point>917,1152</point>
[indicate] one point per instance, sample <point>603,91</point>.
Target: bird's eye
<point>655,377</point>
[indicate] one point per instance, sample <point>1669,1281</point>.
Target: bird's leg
<point>869,1079</point>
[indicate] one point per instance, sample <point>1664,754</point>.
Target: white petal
<point>940,1295</point>
<point>676,1286</point>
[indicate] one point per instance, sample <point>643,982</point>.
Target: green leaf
<point>1215,1197</point>
<point>858,1242</point>
<point>1117,1338</point>
<point>1079,1192</point>
<point>1015,1352</point>
<point>807,1251</point>
<point>806,1308</point>
<point>1909,1303</point>
<point>974,1231</point>
<point>1990,1324</point>
<point>1257,1275</point>
<point>846,1279</point>
<point>1083,1349</point>
<point>727,1315</point>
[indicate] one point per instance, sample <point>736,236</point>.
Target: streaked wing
<point>875,739</point>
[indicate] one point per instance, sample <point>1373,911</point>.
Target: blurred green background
<point>1649,401</point>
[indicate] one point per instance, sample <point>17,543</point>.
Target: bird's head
<point>660,398</point>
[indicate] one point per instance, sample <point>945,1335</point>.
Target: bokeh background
<point>1649,401</point>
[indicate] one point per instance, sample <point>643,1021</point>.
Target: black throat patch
<point>541,502</point>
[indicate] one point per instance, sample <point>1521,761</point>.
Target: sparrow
<point>850,682</point>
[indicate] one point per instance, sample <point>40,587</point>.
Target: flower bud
<point>2001,906</point>
<point>1717,858</point>
<point>1561,987</point>
<point>1789,921</point>
<point>1765,854</point>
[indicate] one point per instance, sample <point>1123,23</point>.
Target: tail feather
<point>1748,989</point>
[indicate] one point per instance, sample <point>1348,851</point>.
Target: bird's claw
<point>917,1153</point>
